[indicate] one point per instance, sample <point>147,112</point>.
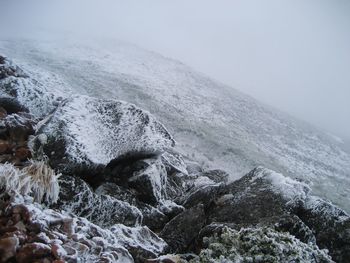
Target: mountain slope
<point>211,122</point>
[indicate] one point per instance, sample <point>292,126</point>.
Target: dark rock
<point>153,217</point>
<point>218,176</point>
<point>5,147</point>
<point>12,105</point>
<point>17,127</point>
<point>8,247</point>
<point>77,197</point>
<point>205,194</point>
<point>23,153</point>
<point>255,197</point>
<point>3,113</point>
<point>150,182</point>
<point>330,225</point>
<point>119,192</point>
<point>32,251</point>
<point>183,229</point>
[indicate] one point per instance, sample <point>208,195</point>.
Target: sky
<point>291,54</point>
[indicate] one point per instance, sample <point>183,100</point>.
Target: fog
<point>293,55</point>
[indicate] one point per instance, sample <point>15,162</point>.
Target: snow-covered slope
<point>211,122</point>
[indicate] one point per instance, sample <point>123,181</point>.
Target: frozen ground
<point>212,123</point>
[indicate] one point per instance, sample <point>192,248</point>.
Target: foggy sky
<point>293,55</point>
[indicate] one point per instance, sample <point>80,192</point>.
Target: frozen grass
<point>37,180</point>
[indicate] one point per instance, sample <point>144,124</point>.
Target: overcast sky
<point>293,55</point>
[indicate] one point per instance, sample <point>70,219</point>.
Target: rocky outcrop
<point>84,133</point>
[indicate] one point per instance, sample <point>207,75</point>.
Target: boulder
<point>330,224</point>
<point>20,92</point>
<point>12,105</point>
<point>204,194</point>
<point>77,197</point>
<point>150,181</point>
<point>183,229</point>
<point>260,194</point>
<point>17,127</point>
<point>85,133</point>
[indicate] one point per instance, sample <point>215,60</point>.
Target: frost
<point>290,189</point>
<point>37,180</point>
<point>258,245</point>
<point>99,131</point>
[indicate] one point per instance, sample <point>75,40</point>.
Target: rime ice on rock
<point>90,132</point>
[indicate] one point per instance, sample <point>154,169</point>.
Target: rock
<point>154,217</point>
<point>205,194</point>
<point>141,242</point>
<point>218,176</point>
<point>330,225</point>
<point>5,147</point>
<point>183,229</point>
<point>8,247</point>
<point>260,194</point>
<point>23,153</point>
<point>77,197</point>
<point>20,92</point>
<point>84,133</point>
<point>150,182</point>
<point>17,127</point>
<point>119,192</point>
<point>32,251</point>
<point>173,162</point>
<point>12,105</point>
<point>3,113</point>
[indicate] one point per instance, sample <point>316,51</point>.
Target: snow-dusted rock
<point>266,198</point>
<point>150,182</point>
<point>86,132</point>
<point>104,210</point>
<point>330,224</point>
<point>141,242</point>
<point>261,193</point>
<point>20,92</point>
<point>12,105</point>
<point>154,217</point>
<point>204,194</point>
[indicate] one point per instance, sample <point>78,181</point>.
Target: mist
<point>293,55</point>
